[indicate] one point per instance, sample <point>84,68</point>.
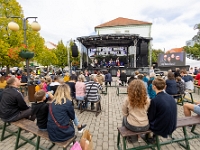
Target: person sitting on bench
<point>188,107</point>
<point>162,112</point>
<point>12,105</point>
<point>135,108</point>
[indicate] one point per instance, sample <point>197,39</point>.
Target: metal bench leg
<point>117,91</point>
<point>157,142</point>
<point>118,141</point>
<point>191,98</point>
<point>124,143</point>
<point>186,139</point>
<point>37,143</point>
<point>17,139</point>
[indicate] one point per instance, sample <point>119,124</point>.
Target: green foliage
<point>194,51</point>
<point>155,54</point>
<point>61,54</point>
<point>12,41</point>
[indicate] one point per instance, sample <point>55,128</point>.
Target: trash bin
<point>31,92</point>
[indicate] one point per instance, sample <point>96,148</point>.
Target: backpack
<point>180,87</point>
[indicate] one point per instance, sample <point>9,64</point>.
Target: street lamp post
<point>35,27</point>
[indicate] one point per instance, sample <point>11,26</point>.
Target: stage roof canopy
<point>111,40</point>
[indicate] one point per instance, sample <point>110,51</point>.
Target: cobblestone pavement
<point>104,126</point>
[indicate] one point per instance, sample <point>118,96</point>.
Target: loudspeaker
<point>74,50</point>
<point>143,48</point>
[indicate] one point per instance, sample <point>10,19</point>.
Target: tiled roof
<point>175,50</point>
<point>122,22</point>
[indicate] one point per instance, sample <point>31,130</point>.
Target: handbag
<point>86,141</point>
<point>76,146</point>
<point>54,119</point>
<point>86,99</point>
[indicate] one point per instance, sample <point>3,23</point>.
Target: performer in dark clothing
<point>12,105</point>
<point>162,112</point>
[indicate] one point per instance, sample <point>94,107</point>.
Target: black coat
<point>123,77</point>
<point>162,114</point>
<point>12,102</point>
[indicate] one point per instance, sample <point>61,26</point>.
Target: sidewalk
<point>104,126</point>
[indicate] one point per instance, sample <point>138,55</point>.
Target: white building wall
<point>142,30</point>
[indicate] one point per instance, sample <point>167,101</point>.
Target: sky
<point>173,20</point>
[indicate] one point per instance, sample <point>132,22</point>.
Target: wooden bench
<point>30,126</point>
<point>121,87</point>
<point>191,100</point>
<point>180,100</point>
<point>105,91</point>
<point>97,110</point>
<point>181,122</point>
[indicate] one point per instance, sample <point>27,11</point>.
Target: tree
<point>13,40</point>
<point>61,54</point>
<point>155,54</point>
<point>75,61</point>
<point>196,38</point>
<point>47,57</point>
<point>193,52</point>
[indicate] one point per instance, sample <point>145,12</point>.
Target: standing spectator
<point>191,71</point>
<point>162,112</point>
<point>145,79</point>
<point>108,78</point>
<point>92,90</point>
<point>100,78</point>
<point>12,104</point>
<point>80,89</point>
<point>38,86</point>
<point>3,73</point>
<point>86,74</point>
<point>135,108</point>
<point>118,73</point>
<point>74,76</point>
<point>48,80</point>
<point>171,86</point>
<point>123,78</point>
<point>44,85</point>
<point>24,78</point>
<point>18,76</point>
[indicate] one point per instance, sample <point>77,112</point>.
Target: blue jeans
<point>79,99</point>
<point>76,121</point>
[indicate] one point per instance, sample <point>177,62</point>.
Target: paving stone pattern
<point>104,126</point>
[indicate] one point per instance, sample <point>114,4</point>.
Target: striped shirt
<point>93,92</point>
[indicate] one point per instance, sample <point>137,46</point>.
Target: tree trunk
<point>7,69</point>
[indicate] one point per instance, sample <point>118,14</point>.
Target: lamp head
<point>13,26</point>
<point>35,26</point>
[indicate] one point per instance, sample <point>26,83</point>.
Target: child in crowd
<point>38,86</point>
<point>44,85</point>
<point>66,77</point>
<point>41,109</point>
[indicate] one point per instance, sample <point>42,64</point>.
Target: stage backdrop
<point>172,59</point>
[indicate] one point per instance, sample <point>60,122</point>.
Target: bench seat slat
<point>30,126</point>
<point>181,122</point>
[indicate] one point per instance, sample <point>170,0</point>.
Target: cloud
<point>173,21</point>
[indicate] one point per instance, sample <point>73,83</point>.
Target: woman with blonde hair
<point>61,114</point>
<point>135,107</point>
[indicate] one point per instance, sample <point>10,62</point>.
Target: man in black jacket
<point>12,104</point>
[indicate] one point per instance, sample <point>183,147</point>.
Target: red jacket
<point>198,78</point>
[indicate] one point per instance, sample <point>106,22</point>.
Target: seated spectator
<point>74,75</point>
<point>80,89</point>
<point>41,108</point>
<point>162,112</point>
<point>2,82</point>
<point>123,78</point>
<point>171,86</point>
<point>100,78</point>
<point>54,84</point>
<point>24,78</point>
<point>38,86</point>
<point>71,83</point>
<point>198,77</point>
<point>177,73</point>
<point>189,85</point>
<point>140,77</point>
<point>92,90</point>
<point>44,85</point>
<point>188,108</point>
<point>12,105</point>
<point>145,79</point>
<point>151,92</point>
<point>135,108</point>
<point>61,114</point>
<point>48,80</point>
<point>195,71</point>
<point>136,73</point>
<point>180,85</point>
<point>66,77</point>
